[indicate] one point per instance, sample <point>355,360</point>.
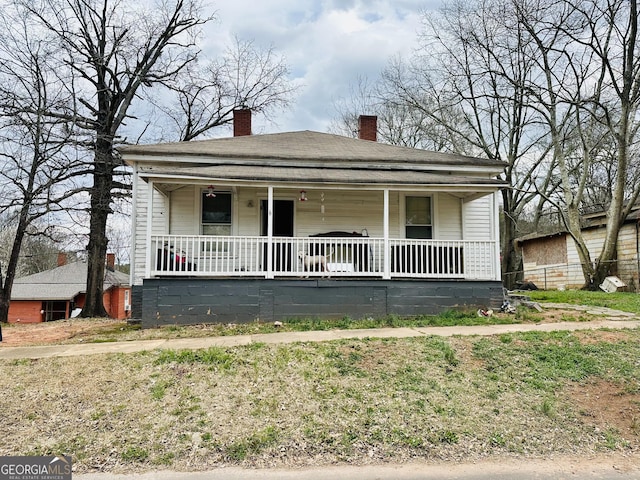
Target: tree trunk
<point>575,231</point>
<point>4,311</point>
<point>4,306</point>
<point>608,254</point>
<point>97,247</point>
<point>511,261</point>
<point>7,285</point>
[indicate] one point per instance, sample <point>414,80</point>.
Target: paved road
<point>602,469</point>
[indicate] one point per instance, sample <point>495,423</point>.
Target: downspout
<point>134,222</point>
<point>147,267</point>
<point>496,236</point>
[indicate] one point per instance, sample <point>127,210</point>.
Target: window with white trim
<point>418,217</point>
<point>216,213</point>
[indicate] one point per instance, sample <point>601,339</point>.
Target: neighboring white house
<point>241,228</point>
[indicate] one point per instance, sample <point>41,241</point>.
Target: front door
<point>282,227</point>
<point>282,218</point>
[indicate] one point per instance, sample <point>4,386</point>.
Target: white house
<point>268,227</point>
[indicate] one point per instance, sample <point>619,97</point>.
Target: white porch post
<point>134,230</point>
<point>270,233</point>
<point>496,236</point>
<point>147,262</point>
<point>386,274</point>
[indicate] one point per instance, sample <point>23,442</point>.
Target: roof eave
<point>489,182</point>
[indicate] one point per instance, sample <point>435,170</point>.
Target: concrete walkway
<point>603,468</point>
<point>611,319</point>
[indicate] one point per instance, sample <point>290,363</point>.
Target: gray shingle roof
<point>305,145</point>
<point>61,283</point>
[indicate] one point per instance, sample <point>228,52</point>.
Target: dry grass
<point>356,401</point>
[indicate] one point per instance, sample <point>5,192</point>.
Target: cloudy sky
<point>327,44</point>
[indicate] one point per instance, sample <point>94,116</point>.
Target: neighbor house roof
<point>61,283</point>
<point>537,236</point>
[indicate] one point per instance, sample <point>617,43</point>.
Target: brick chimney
<point>241,122</point>
<point>62,259</point>
<point>368,127</point>
<point>111,261</point>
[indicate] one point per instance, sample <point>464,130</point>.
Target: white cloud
<point>327,44</point>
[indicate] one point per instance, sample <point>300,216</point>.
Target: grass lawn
<point>627,302</point>
<point>527,395</point>
<point>357,401</point>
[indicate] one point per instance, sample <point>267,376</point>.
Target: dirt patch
<point>59,331</point>
<point>464,351</point>
<point>607,407</point>
<point>598,336</point>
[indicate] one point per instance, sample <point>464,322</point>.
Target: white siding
<point>160,225</point>
<point>348,211</point>
<point>627,266</point>
<point>448,218</point>
<point>185,211</point>
<point>246,214</point>
<point>343,211</point>
<point>478,219</point>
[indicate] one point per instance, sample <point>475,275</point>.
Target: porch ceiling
<point>270,175</point>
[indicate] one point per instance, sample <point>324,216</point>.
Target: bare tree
<point>39,250</point>
<point>470,79</point>
<point>552,88</point>
<point>610,34</point>
<point>111,49</point>
<point>245,76</point>
<point>38,167</point>
<point>399,123</point>
<point>555,92</point>
<point>588,94</point>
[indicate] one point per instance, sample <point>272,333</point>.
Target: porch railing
<point>184,255</point>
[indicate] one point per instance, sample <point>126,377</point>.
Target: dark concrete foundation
<point>188,301</point>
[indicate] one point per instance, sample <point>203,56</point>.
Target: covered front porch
<point>321,256</point>
<point>279,232</point>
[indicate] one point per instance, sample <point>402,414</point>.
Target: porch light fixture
<point>303,196</point>
<point>210,193</point>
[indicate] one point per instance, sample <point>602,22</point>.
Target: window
<point>54,310</point>
<point>418,218</point>
<point>127,300</point>
<point>216,214</point>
